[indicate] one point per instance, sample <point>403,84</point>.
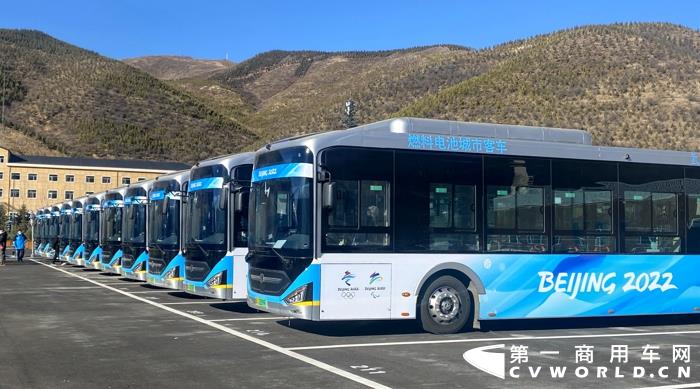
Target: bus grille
<point>156,266</point>
<point>196,270</point>
<point>268,281</point>
<point>127,260</point>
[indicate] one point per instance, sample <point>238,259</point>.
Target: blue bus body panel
<point>113,260</point>
<point>224,264</point>
<point>565,285</point>
<point>310,275</point>
<point>79,252</point>
<point>95,255</point>
<point>520,286</point>
<point>178,260</point>
<point>143,257</point>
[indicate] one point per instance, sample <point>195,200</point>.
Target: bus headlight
<point>170,273</point>
<point>299,294</point>
<point>215,280</point>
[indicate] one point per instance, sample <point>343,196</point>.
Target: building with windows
<point>36,181</point>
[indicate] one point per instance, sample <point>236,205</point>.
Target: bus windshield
<point>113,224</point>
<point>135,223</point>
<point>164,222</point>
<point>76,229</point>
<point>207,220</point>
<point>281,212</point>
<point>92,230</point>
<point>53,227</point>
<point>64,231</point>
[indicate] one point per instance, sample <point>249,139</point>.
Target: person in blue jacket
<point>19,242</point>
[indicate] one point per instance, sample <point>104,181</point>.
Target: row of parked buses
<point>450,223</point>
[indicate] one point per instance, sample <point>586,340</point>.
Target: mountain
<point>169,67</point>
<point>634,84</point>
<point>77,102</point>
<point>629,85</point>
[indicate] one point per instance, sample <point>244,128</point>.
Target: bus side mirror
<point>328,194</point>
<point>240,199</point>
<point>222,197</point>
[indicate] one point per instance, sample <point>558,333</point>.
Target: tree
<point>349,114</point>
<point>21,222</point>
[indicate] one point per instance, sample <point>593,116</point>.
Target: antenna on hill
<point>227,56</point>
<point>349,114</point>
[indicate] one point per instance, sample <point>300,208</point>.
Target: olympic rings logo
<point>348,295</point>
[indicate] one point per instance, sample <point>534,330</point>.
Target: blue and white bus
<point>40,234</point>
<point>453,223</point>
<point>111,241</point>
<point>134,259</point>
<point>166,264</point>
<point>75,232</point>
<point>53,224</point>
<point>217,233</point>
<point>92,219</point>
<point>66,210</point>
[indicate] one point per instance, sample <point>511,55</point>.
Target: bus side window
<point>360,218</point>
<point>345,203</point>
<point>438,196</point>
<point>651,208</point>
<point>515,204</point>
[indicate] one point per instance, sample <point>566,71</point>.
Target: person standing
<point>3,246</point>
<point>20,241</point>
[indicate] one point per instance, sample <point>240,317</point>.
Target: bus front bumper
<point>138,275</point>
<point>302,310</point>
<point>169,283</point>
<point>223,292</point>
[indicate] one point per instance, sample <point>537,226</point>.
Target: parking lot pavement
<point>71,327</point>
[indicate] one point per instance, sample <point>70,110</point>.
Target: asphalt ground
<point>68,327</point>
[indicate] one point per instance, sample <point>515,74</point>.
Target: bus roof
<point>482,138</point>
<point>228,160</point>
<point>180,177</point>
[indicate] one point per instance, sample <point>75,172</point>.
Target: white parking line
<point>251,318</point>
<point>153,291</point>
<point>241,335</point>
<point>194,302</point>
<point>678,386</point>
<point>508,339</point>
<point>70,287</point>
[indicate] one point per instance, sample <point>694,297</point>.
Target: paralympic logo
<point>374,277</point>
<point>347,277</point>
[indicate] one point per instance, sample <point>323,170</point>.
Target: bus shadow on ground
<point>388,327</point>
<point>236,307</point>
<point>187,296</point>
<point>591,322</point>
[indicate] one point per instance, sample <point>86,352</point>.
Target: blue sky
<point>241,29</point>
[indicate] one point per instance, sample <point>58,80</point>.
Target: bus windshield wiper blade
<point>202,248</point>
<point>284,260</point>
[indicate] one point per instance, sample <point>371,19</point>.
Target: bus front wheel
<point>445,306</point>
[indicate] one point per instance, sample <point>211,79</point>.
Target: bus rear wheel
<point>445,306</point>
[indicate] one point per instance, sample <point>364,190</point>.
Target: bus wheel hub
<point>444,305</point>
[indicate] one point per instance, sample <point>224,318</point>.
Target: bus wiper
<point>206,253</point>
<point>284,260</point>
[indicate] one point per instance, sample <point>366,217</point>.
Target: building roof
<point>134,164</point>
